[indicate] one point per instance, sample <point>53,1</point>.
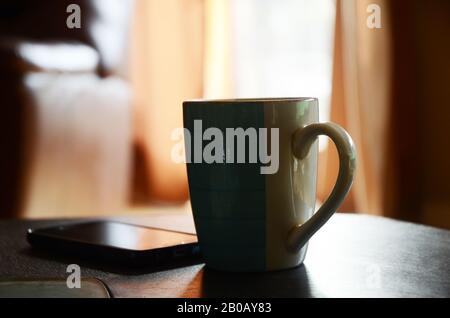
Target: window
<point>283,48</point>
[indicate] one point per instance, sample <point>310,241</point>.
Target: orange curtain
<point>360,102</point>
<point>167,68</point>
<point>384,84</point>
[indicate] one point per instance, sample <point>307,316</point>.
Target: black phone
<point>120,243</point>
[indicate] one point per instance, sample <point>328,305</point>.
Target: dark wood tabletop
<point>351,256</point>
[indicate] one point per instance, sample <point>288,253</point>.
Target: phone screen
<point>120,235</point>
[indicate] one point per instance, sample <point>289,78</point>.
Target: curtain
<point>389,91</point>
<point>167,68</point>
<point>360,103</point>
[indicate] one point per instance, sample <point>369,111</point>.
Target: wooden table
<point>351,256</point>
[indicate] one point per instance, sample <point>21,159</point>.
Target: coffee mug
<point>252,171</point>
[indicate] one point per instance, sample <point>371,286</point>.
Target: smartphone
<point>120,243</point>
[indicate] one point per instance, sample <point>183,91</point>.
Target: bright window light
<point>283,48</point>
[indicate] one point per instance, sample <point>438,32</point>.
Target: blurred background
<point>86,113</point>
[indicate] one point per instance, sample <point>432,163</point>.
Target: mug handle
<point>302,140</point>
